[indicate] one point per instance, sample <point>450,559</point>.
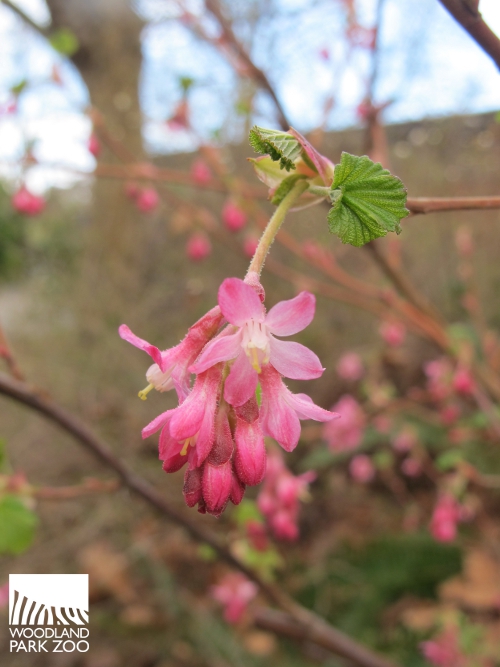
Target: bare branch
<point>437,204</point>
<point>466,13</point>
<point>26,19</point>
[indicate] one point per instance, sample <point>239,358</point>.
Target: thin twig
<point>25,18</point>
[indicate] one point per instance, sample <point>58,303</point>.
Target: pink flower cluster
<point>234,592</point>
<point>218,427</point>
<point>24,201</point>
<point>280,495</point>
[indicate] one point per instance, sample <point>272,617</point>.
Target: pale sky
<point>449,75</point>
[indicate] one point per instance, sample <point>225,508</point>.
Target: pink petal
<point>294,360</point>
<point>167,445</point>
<point>241,382</point>
<point>221,349</point>
<point>278,419</point>
<point>237,490</point>
<point>174,463</point>
<point>216,485</point>
<point>153,351</point>
<point>188,417</point>
<point>250,458</point>
<point>306,409</point>
<point>322,164</point>
<point>239,302</point>
<point>157,423</point>
<point>289,317</point>
<point>192,486</point>
<point>222,448</point>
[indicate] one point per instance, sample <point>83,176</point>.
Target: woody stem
<point>273,226</point>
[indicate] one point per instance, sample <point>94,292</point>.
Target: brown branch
<point>7,354</point>
<point>311,625</point>
<point>255,73</point>
<point>466,13</point>
<point>89,487</point>
<point>438,204</point>
<point>26,19</point>
<point>323,635</point>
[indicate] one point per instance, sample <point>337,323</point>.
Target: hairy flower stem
<point>273,226</point>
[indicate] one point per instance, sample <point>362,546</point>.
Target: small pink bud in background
<point>439,374</point>
<point>449,414</point>
<point>257,535</point>
<point>200,172</point>
<point>198,247</point>
<point>94,145</point>
<point>411,467</point>
<point>233,216</point>
<point>234,592</point>
<point>405,440</point>
<point>445,518</point>
<point>464,242</point>
<point>324,53</point>
<point>363,110</point>
<point>147,200</point>
<point>180,118</point>
<point>362,469</point>
<point>444,650</point>
<point>393,333</point>
<point>250,246</point>
<point>131,190</point>
<point>24,201</point>
<point>312,250</point>
<point>350,366</point>
<point>463,382</point>
<point>347,432</point>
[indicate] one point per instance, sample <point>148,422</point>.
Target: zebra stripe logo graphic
<point>48,599</point>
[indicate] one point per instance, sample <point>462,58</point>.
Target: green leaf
<point>284,188</point>
<point>17,525</point>
<point>368,201</point>
<point>246,511</point>
<point>64,41</point>
<point>19,87</point>
<point>280,146</point>
<point>186,82</point>
<point>449,460</point>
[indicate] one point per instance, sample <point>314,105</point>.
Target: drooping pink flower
<point>94,145</point>
<point>198,247</point>
<point>444,650</point>
<point>362,469</point>
<point>250,246</point>
<point>445,518</point>
<point>347,432</point>
<point>253,345</point>
<point>234,592</point>
<point>24,201</point>
<point>200,172</point>
<point>463,382</point>
<point>393,333</point>
<point>170,369</point>
<point>233,216</point>
<point>147,200</point>
<point>350,366</point>
<point>279,499</point>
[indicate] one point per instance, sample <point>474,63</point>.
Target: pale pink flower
<point>170,369</point>
<point>347,432</point>
<point>445,518</point>
<point>147,200</point>
<point>94,145</point>
<point>463,382</point>
<point>350,366</point>
<point>200,172</point>
<point>198,247</point>
<point>253,346</point>
<point>234,592</point>
<point>233,216</point>
<point>362,469</point>
<point>279,499</point>
<point>24,201</point>
<point>393,333</point>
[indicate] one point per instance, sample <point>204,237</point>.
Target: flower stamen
<point>143,394</point>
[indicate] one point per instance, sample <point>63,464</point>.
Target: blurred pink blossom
<point>444,650</point>
<point>198,247</point>
<point>411,467</point>
<point>234,592</point>
<point>405,440</point>
<point>233,216</point>
<point>347,432</point>
<point>463,382</point>
<point>445,518</point>
<point>393,333</point>
<point>94,145</point>
<point>350,366</point>
<point>250,246</point>
<point>439,373</point>
<point>362,469</point>
<point>24,201</point>
<point>147,200</point>
<point>200,172</point>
